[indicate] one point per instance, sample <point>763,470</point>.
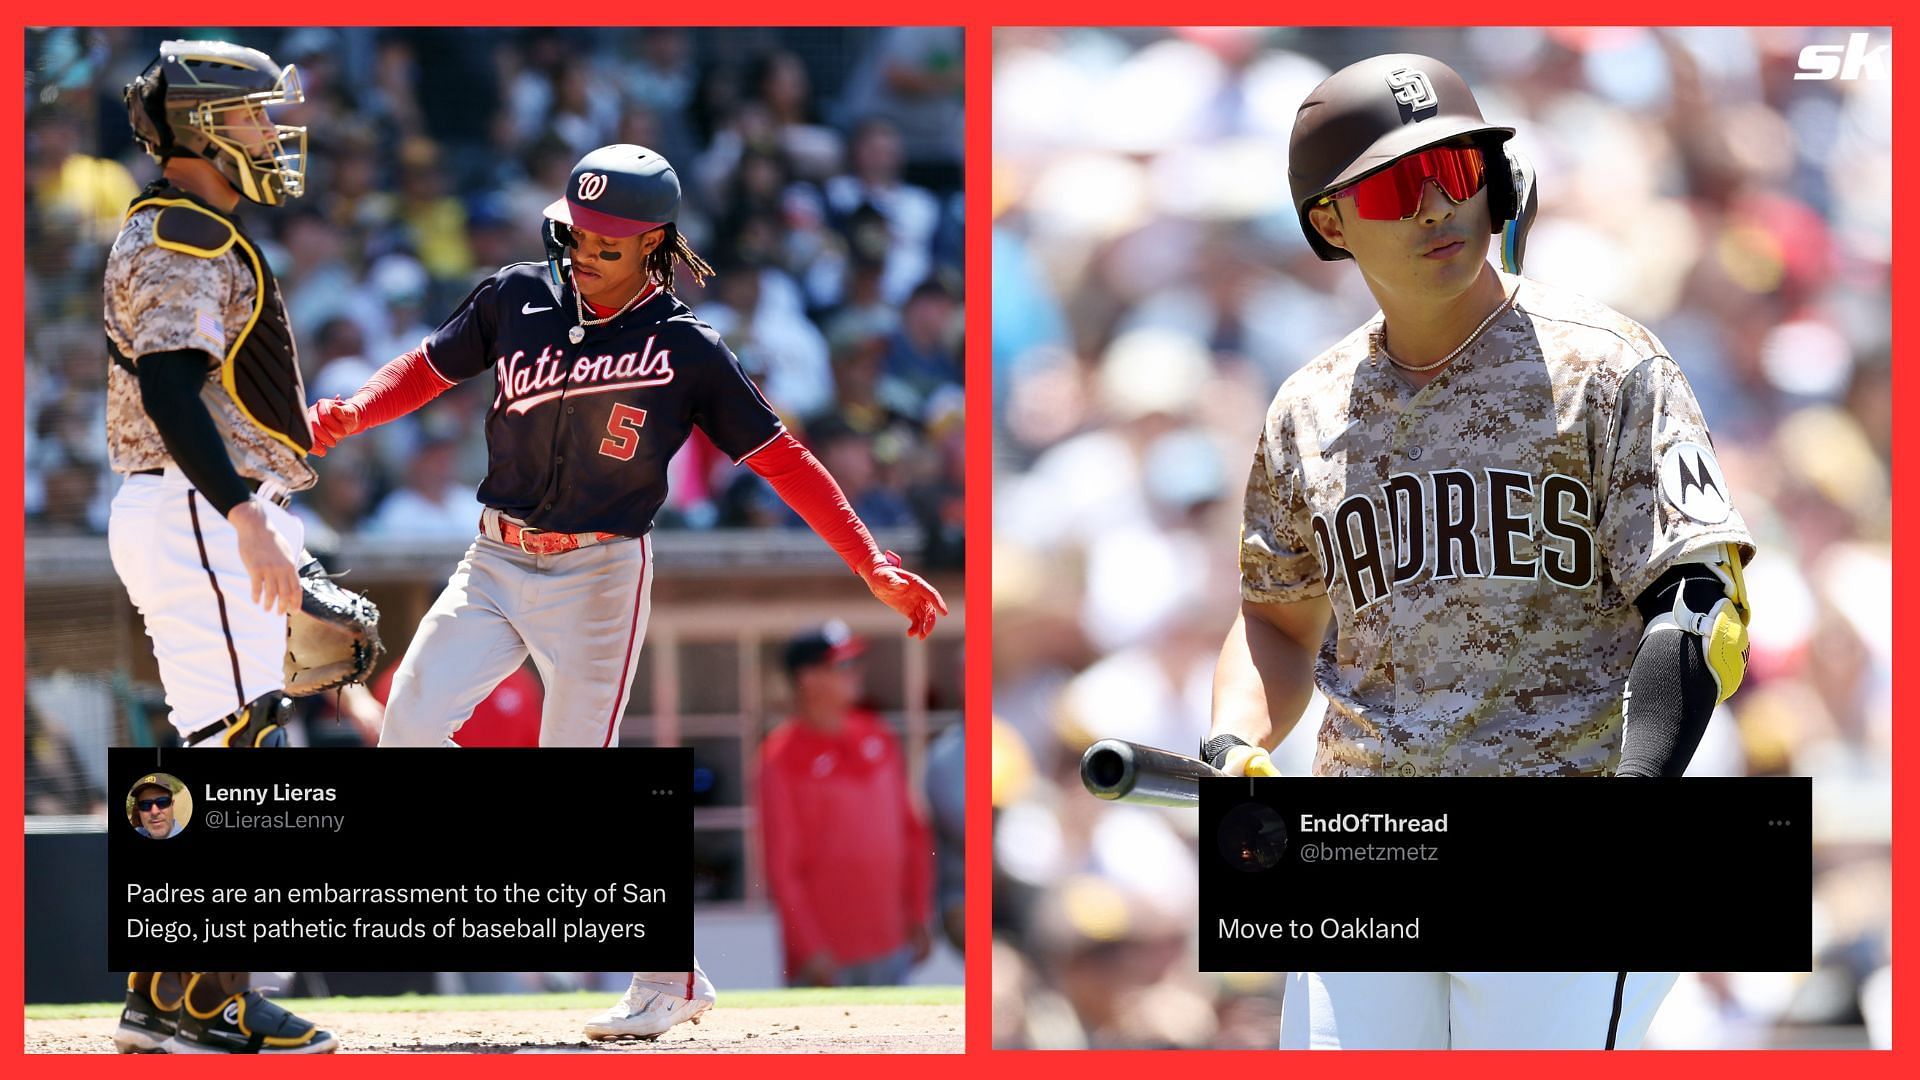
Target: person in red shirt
<point>510,716</point>
<point>848,857</point>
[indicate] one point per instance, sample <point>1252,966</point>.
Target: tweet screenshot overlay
<point>395,859</point>
<point>1505,874</point>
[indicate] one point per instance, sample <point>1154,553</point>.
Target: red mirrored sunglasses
<point>1394,193</point>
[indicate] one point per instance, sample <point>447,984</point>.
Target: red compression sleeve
<point>403,385</point>
<point>804,484</point>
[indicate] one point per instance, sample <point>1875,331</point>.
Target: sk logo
<point>1412,88</point>
<point>592,186</point>
<point>1854,60</point>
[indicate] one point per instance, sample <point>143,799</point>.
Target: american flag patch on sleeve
<point>207,325</point>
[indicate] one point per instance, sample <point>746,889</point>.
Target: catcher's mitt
<point>333,638</point>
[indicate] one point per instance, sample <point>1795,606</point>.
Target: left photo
<point>534,392</point>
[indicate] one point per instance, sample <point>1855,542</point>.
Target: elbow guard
<point>1692,657</point>
<point>1706,599</point>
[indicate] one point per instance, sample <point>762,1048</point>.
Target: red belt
<point>539,541</point>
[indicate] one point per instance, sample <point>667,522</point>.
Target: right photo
<point>1449,406</point>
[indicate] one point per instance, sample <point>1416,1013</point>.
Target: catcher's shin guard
<point>151,1014</point>
<point>241,1022</point>
<point>256,724</point>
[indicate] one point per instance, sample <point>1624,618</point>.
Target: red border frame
<point>978,17</point>
<point>1479,1064</point>
<point>979,649</point>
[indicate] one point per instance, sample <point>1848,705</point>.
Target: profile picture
<point>159,806</point>
<point>1253,838</point>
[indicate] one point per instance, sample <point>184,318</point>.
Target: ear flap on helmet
<point>1502,202</point>
<point>146,100</point>
<point>1513,243</point>
<point>558,240</point>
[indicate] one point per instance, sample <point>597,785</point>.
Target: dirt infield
<point>785,1029</point>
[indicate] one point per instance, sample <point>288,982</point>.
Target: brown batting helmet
<point>1368,115</point>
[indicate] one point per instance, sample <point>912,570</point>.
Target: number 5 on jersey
<point>623,432</point>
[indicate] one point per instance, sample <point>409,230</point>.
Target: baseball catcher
<point>206,422</point>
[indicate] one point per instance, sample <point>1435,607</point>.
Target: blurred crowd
<point>1152,289</point>
<point>822,171</point>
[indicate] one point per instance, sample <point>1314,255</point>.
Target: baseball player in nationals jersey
<point>1488,525</point>
<point>206,422</point>
<point>600,374</point>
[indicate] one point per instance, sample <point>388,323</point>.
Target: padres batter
<point>205,421</point>
<point>600,374</point>
<point>1482,524</point>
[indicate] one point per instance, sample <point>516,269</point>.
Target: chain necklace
<point>1377,341</point>
<point>578,333</point>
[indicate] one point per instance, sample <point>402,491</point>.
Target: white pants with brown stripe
<point>1470,1010</point>
<point>581,615</point>
<point>180,561</point>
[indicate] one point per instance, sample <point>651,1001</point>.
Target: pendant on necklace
<point>576,334</point>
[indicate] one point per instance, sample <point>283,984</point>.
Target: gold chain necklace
<point>578,333</point>
<point>1378,339</point>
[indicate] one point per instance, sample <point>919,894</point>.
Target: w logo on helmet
<point>1412,88</point>
<point>592,186</point>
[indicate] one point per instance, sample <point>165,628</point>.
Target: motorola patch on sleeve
<point>1691,480</point>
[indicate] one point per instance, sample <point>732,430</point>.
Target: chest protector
<point>260,370</point>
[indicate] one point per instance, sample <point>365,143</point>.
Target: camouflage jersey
<point>160,299</point>
<point>1482,539</point>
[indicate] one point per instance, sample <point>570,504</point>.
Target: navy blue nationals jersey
<point>579,436</point>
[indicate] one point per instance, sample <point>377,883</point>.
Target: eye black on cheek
<point>609,256</point>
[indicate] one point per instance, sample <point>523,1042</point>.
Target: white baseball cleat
<point>646,1012</point>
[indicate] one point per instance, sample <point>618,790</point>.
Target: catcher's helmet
<point>182,106</point>
<point>1367,115</point>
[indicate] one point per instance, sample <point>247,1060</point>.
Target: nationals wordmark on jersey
<point>524,384</point>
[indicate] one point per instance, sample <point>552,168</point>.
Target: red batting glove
<point>331,420</point>
<point>909,594</point>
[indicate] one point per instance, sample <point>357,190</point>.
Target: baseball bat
<point>1130,772</point>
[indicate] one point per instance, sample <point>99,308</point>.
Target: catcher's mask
<point>208,99</point>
